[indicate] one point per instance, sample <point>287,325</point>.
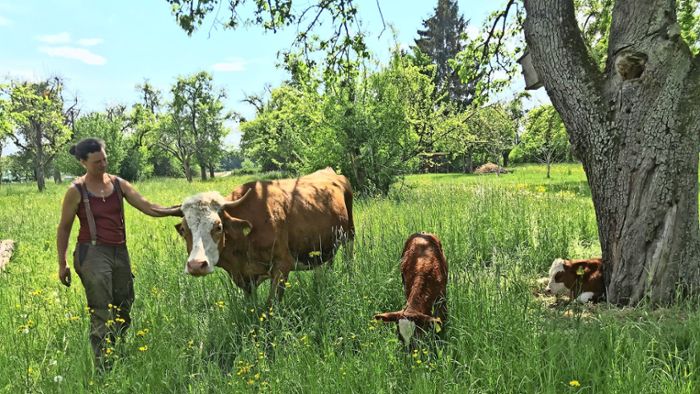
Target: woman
<point>101,259</point>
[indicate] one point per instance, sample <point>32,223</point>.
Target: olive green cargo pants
<point>109,286</point>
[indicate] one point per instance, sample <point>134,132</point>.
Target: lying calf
<point>424,276</point>
<point>582,278</point>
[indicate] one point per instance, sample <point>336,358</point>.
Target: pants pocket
<point>79,255</point>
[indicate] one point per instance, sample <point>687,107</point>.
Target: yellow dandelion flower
<point>141,333</point>
<point>120,320</point>
<point>109,323</point>
<point>109,351</point>
<point>574,383</point>
<point>541,189</point>
<point>143,348</point>
<point>315,253</point>
<point>287,285</point>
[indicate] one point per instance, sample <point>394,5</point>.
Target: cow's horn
<point>175,210</point>
<point>234,203</point>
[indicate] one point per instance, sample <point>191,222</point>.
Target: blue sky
<point>104,48</point>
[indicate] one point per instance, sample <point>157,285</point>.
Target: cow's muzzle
<point>198,267</point>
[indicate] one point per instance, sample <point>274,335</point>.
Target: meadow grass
<point>199,335</point>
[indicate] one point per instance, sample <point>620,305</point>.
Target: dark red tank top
<point>108,219</point>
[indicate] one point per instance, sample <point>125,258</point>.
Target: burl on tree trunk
<point>635,126</point>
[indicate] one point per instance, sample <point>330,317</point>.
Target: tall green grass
<point>200,335</point>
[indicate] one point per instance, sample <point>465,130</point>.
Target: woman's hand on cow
<point>64,274</point>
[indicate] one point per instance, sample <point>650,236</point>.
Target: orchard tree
<point>545,138</point>
<point>635,125</point>
<point>40,125</point>
<point>194,128</point>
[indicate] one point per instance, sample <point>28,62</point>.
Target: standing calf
<point>582,278</point>
<point>424,276</point>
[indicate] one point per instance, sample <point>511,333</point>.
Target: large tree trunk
<point>211,171</point>
<point>636,129</point>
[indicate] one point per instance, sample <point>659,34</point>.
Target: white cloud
<point>232,65</point>
<point>89,42</point>
<point>81,54</point>
<point>60,38</point>
<point>4,21</point>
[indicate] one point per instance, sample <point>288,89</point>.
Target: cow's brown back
<point>310,214</point>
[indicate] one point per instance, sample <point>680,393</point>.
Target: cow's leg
<point>279,276</point>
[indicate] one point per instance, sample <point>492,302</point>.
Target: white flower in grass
<point>58,379</point>
<point>53,362</point>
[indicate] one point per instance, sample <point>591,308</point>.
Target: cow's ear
<point>389,316</point>
<point>180,229</point>
<point>234,226</point>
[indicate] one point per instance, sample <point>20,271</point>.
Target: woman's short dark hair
<point>84,147</point>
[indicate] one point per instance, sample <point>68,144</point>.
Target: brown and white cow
<point>266,229</point>
<point>582,279</point>
<point>424,276</point>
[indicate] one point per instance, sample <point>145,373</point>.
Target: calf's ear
<point>389,316</point>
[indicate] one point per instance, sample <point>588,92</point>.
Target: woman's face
<point>96,162</point>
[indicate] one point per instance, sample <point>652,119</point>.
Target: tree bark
<point>57,178</point>
<point>39,164</point>
<point>188,170</point>
<point>635,127</point>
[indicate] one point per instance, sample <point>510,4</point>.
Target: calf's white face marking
<point>201,213</point>
<point>556,287</point>
<point>406,329</point>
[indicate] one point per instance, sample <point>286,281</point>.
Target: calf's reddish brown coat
<point>583,279</point>
<point>424,276</point>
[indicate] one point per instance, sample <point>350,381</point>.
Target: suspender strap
<point>80,184</point>
<point>118,190</point>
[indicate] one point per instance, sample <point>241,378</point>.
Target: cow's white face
<point>555,287</point>
<point>203,230</point>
